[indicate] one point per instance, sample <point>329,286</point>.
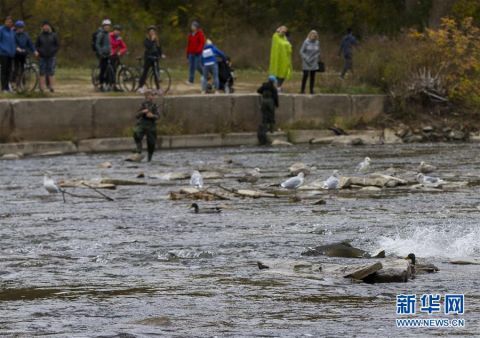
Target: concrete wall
<point>85,118</point>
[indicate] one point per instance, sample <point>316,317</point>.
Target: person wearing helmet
<point>104,51</point>
<point>269,94</point>
<point>24,46</point>
<point>118,49</point>
<point>46,48</point>
<point>7,52</point>
<point>153,52</point>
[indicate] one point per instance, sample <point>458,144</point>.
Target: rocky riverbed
<point>146,264</point>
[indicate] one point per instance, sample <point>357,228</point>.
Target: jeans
<point>6,65</point>
<point>47,66</point>
<point>306,73</point>
<point>194,62</point>
<point>348,64</point>
<point>212,69</point>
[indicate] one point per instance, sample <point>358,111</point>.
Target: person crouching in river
<point>269,103</point>
<point>147,117</point>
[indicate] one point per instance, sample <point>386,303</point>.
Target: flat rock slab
<point>121,181</point>
<point>393,271</point>
<point>362,271</point>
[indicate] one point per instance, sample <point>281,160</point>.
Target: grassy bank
<point>75,82</point>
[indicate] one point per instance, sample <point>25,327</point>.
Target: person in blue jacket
<point>346,50</point>
<point>7,52</point>
<point>210,65</point>
<point>24,46</point>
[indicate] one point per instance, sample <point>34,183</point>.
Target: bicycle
<point>27,81</point>
<point>162,74</point>
<point>110,76</point>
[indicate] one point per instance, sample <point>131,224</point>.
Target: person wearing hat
<point>268,104</point>
<point>103,48</point>
<point>46,49</point>
<point>118,49</point>
<point>147,117</point>
<point>7,52</point>
<point>196,42</point>
<point>153,52</point>
<point>24,46</point>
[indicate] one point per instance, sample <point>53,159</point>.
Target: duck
<point>212,210</point>
<point>420,268</point>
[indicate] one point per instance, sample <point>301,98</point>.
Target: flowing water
<point>144,265</point>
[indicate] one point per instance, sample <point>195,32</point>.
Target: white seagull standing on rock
<point>49,184</point>
<point>196,180</point>
<point>364,166</point>
<point>294,183</point>
<point>332,182</point>
<point>429,180</point>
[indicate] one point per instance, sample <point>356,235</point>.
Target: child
<point>269,103</point>
<point>210,65</point>
<point>147,117</point>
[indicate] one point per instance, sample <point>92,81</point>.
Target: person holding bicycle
<point>153,52</point>
<point>119,48</point>
<point>104,51</point>
<point>24,47</point>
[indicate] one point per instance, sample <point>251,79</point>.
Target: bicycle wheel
<point>126,79</point>
<point>165,81</point>
<point>28,80</point>
<point>95,77</point>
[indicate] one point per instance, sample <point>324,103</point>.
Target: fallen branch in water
<point>108,198</point>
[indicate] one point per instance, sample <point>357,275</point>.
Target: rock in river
<point>341,249</point>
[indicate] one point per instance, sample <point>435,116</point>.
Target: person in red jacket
<point>119,48</point>
<point>196,41</point>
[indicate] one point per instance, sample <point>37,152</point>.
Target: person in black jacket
<point>147,117</point>
<point>269,102</point>
<point>46,49</point>
<point>153,52</point>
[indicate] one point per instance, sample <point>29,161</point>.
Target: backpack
<point>94,39</point>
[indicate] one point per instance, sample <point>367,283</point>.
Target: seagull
<point>196,180</point>
<point>251,176</point>
<point>332,182</point>
<point>294,183</point>
<point>429,180</point>
<point>213,210</point>
<point>426,168</point>
<point>50,185</point>
<point>364,165</point>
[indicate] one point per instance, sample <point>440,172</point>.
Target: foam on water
<point>434,241</point>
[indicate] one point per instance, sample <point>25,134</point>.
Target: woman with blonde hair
<point>280,56</point>
<point>310,53</point>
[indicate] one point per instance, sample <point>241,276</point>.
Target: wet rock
<point>428,129</point>
<point>370,189</point>
<point>374,180</point>
<point>141,175</point>
<point>393,271</point>
<point>426,168</point>
<point>322,140</point>
<point>121,181</point>
<point>341,249</point>
<point>402,131</point>
<point>280,143</point>
<point>105,165</point>
<point>465,261</point>
<point>357,142</point>
<point>414,138</point>
<point>15,156</point>
<point>457,135</point>
<point>298,168</point>
<point>171,176</point>
<point>390,137</point>
<point>319,202</point>
<point>195,194</point>
<point>135,158</point>
<point>81,184</point>
<point>362,271</point>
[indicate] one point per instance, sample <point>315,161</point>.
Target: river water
<point>93,268</point>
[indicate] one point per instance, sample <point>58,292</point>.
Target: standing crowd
<point>16,45</point>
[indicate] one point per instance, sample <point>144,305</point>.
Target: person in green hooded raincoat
<point>281,56</point>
